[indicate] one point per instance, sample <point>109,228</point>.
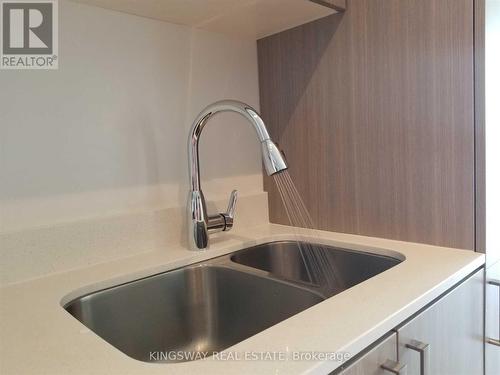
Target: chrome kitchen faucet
<point>200,224</point>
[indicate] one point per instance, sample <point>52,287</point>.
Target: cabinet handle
<point>424,351</point>
<point>493,341</point>
<point>488,339</point>
<point>394,367</point>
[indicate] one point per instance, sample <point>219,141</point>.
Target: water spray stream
<point>317,260</point>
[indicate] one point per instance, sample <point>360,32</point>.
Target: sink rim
<point>341,245</point>
<point>383,253</point>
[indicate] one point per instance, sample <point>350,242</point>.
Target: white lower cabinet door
<point>382,355</point>
<point>493,320</point>
<point>447,337</point>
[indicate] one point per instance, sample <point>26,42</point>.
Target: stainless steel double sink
<point>210,306</point>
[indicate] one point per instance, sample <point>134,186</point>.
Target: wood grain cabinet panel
<point>374,110</point>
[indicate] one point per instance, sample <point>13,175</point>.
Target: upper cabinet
<point>243,18</point>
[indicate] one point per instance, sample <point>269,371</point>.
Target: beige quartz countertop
<point>37,336</point>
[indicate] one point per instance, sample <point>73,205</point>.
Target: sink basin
<point>195,310</point>
<point>305,262</point>
<point>192,312</point>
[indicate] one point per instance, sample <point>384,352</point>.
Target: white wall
<point>493,130</point>
<point>107,132</point>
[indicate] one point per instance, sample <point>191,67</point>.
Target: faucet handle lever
<point>231,208</point>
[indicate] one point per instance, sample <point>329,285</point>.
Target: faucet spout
<point>199,223</point>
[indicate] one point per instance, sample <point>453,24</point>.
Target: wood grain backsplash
<point>374,109</point>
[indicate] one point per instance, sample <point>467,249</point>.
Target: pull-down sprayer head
<point>272,158</point>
